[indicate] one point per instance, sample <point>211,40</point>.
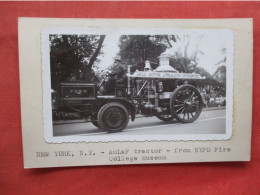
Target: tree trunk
<point>94,56</point>
<point>168,41</point>
<point>88,73</point>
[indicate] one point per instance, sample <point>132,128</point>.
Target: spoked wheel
<point>186,103</point>
<point>113,117</point>
<point>94,120</point>
<point>165,117</point>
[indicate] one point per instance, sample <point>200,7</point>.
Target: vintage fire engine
<point>163,92</point>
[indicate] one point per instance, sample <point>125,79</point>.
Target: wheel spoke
<point>182,110</point>
<point>196,97</point>
<point>179,101</point>
<point>187,104</point>
<point>191,111</point>
<point>184,114</point>
<point>178,105</point>
<point>192,95</point>
<point>191,114</point>
<point>185,95</point>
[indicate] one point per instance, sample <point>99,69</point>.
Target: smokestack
<point>164,64</point>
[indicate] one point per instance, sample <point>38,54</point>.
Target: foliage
<point>182,64</point>
<point>202,72</point>
<point>220,74</point>
<point>135,49</point>
<point>223,60</point>
<point>185,52</point>
<point>72,57</point>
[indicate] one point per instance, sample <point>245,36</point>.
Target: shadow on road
<point>88,128</point>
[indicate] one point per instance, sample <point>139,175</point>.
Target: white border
<point>46,80</point>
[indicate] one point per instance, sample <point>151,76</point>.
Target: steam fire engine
<point>163,92</point>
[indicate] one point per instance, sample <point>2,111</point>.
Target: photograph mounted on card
<point>128,84</point>
<point>133,91</point>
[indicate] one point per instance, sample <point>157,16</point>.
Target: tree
<point>135,49</point>
<point>202,72</point>
<point>184,52</point>
<point>220,75</point>
<point>88,67</point>
<point>223,57</point>
<point>183,49</point>
<point>73,56</point>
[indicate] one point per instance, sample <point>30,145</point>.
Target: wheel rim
<point>114,117</point>
<point>187,104</point>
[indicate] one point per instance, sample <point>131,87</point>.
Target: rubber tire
<point>102,112</point>
<point>95,121</point>
<point>172,99</point>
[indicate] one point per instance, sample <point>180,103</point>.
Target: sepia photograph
<point>137,84</point>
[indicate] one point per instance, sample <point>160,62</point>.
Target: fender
<point>130,107</point>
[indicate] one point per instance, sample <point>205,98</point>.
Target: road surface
<point>209,122</point>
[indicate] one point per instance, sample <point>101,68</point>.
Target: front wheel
<point>113,117</point>
<point>94,120</point>
<point>186,103</point>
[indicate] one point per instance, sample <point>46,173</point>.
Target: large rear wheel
<point>113,117</point>
<point>186,103</point>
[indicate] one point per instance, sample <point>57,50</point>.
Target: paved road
<point>209,122</point>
